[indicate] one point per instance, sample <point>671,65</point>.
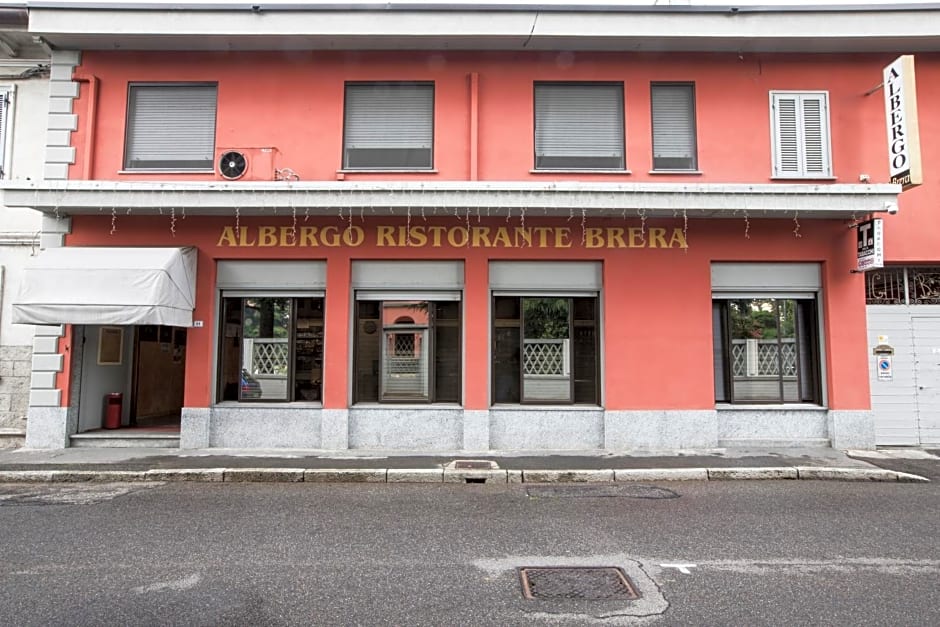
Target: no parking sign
<point>884,368</point>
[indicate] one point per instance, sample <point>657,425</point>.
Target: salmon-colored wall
<point>656,323</point>
<point>293,101</point>
<point>656,315</point>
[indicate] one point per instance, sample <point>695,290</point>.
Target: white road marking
<point>888,566</point>
<point>180,584</point>
<point>682,568</point>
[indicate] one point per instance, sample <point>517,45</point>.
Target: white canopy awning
<point>85,285</point>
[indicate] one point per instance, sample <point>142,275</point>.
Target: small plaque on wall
<point>110,346</point>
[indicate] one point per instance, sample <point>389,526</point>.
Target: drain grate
<point>602,583</point>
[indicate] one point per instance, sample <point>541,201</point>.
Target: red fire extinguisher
<point>112,410</point>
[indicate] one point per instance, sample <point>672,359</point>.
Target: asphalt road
<point>758,553</point>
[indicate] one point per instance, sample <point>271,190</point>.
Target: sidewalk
<point>153,464</point>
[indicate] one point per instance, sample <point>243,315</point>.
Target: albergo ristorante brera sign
<point>901,118</point>
<point>478,236</point>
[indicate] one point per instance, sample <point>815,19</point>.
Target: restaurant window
<point>579,126</point>
<point>545,349</point>
<point>389,126</point>
<point>407,349</point>
<point>271,348</point>
<point>766,350</point>
<point>170,126</point>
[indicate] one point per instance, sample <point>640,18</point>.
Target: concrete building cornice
<point>524,26</point>
<point>567,199</point>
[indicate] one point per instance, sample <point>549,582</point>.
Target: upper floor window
<point>170,126</point>
<point>800,134</point>
<point>579,126</point>
<point>673,110</point>
<point>389,126</point>
<point>6,110</point>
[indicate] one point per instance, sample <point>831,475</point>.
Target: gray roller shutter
<point>673,108</point>
<point>579,126</point>
<point>389,125</point>
<point>171,126</point>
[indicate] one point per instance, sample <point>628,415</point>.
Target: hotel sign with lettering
<point>901,119</point>
<point>387,236</point>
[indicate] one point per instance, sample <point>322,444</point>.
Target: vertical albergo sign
<point>901,118</point>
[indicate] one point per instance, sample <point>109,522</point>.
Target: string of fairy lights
<point>419,202</point>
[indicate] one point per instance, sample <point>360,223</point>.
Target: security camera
<point>891,207</point>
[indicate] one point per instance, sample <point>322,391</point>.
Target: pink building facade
<point>444,230</point>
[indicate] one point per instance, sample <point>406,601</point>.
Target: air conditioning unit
<point>245,164</point>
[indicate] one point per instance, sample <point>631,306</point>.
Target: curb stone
<point>662,474</point>
<point>345,475</point>
<point>718,474</point>
<point>567,476</point>
<point>440,475</point>
<point>420,475</point>
<point>857,474</point>
<point>279,475</point>
<point>185,474</point>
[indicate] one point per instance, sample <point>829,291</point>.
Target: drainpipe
<point>88,155</point>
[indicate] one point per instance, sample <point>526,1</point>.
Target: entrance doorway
<point>145,364</point>
<point>159,376</point>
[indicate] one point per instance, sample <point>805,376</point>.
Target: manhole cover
<point>605,583</point>
<point>629,491</point>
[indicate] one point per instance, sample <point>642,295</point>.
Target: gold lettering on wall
<point>421,236</point>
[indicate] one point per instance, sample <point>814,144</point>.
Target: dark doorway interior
<point>159,375</point>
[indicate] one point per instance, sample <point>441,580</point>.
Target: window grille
<point>885,286</point>
<point>924,285</point>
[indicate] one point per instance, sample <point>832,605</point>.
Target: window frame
<point>344,158</point>
<point>293,297</point>
<point>800,96</point>
<point>129,112</point>
<point>812,379</point>
<point>432,325</point>
<point>622,136</point>
<point>572,325</point>
<point>693,119</point>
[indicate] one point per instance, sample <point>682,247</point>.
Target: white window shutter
<point>800,135</point>
<point>5,111</point>
<point>786,136</point>
<point>171,126</point>
<point>815,135</point>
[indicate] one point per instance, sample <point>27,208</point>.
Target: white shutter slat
<point>813,136</point>
<point>673,108</point>
<point>170,124</point>
<point>579,121</point>
<point>787,157</point>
